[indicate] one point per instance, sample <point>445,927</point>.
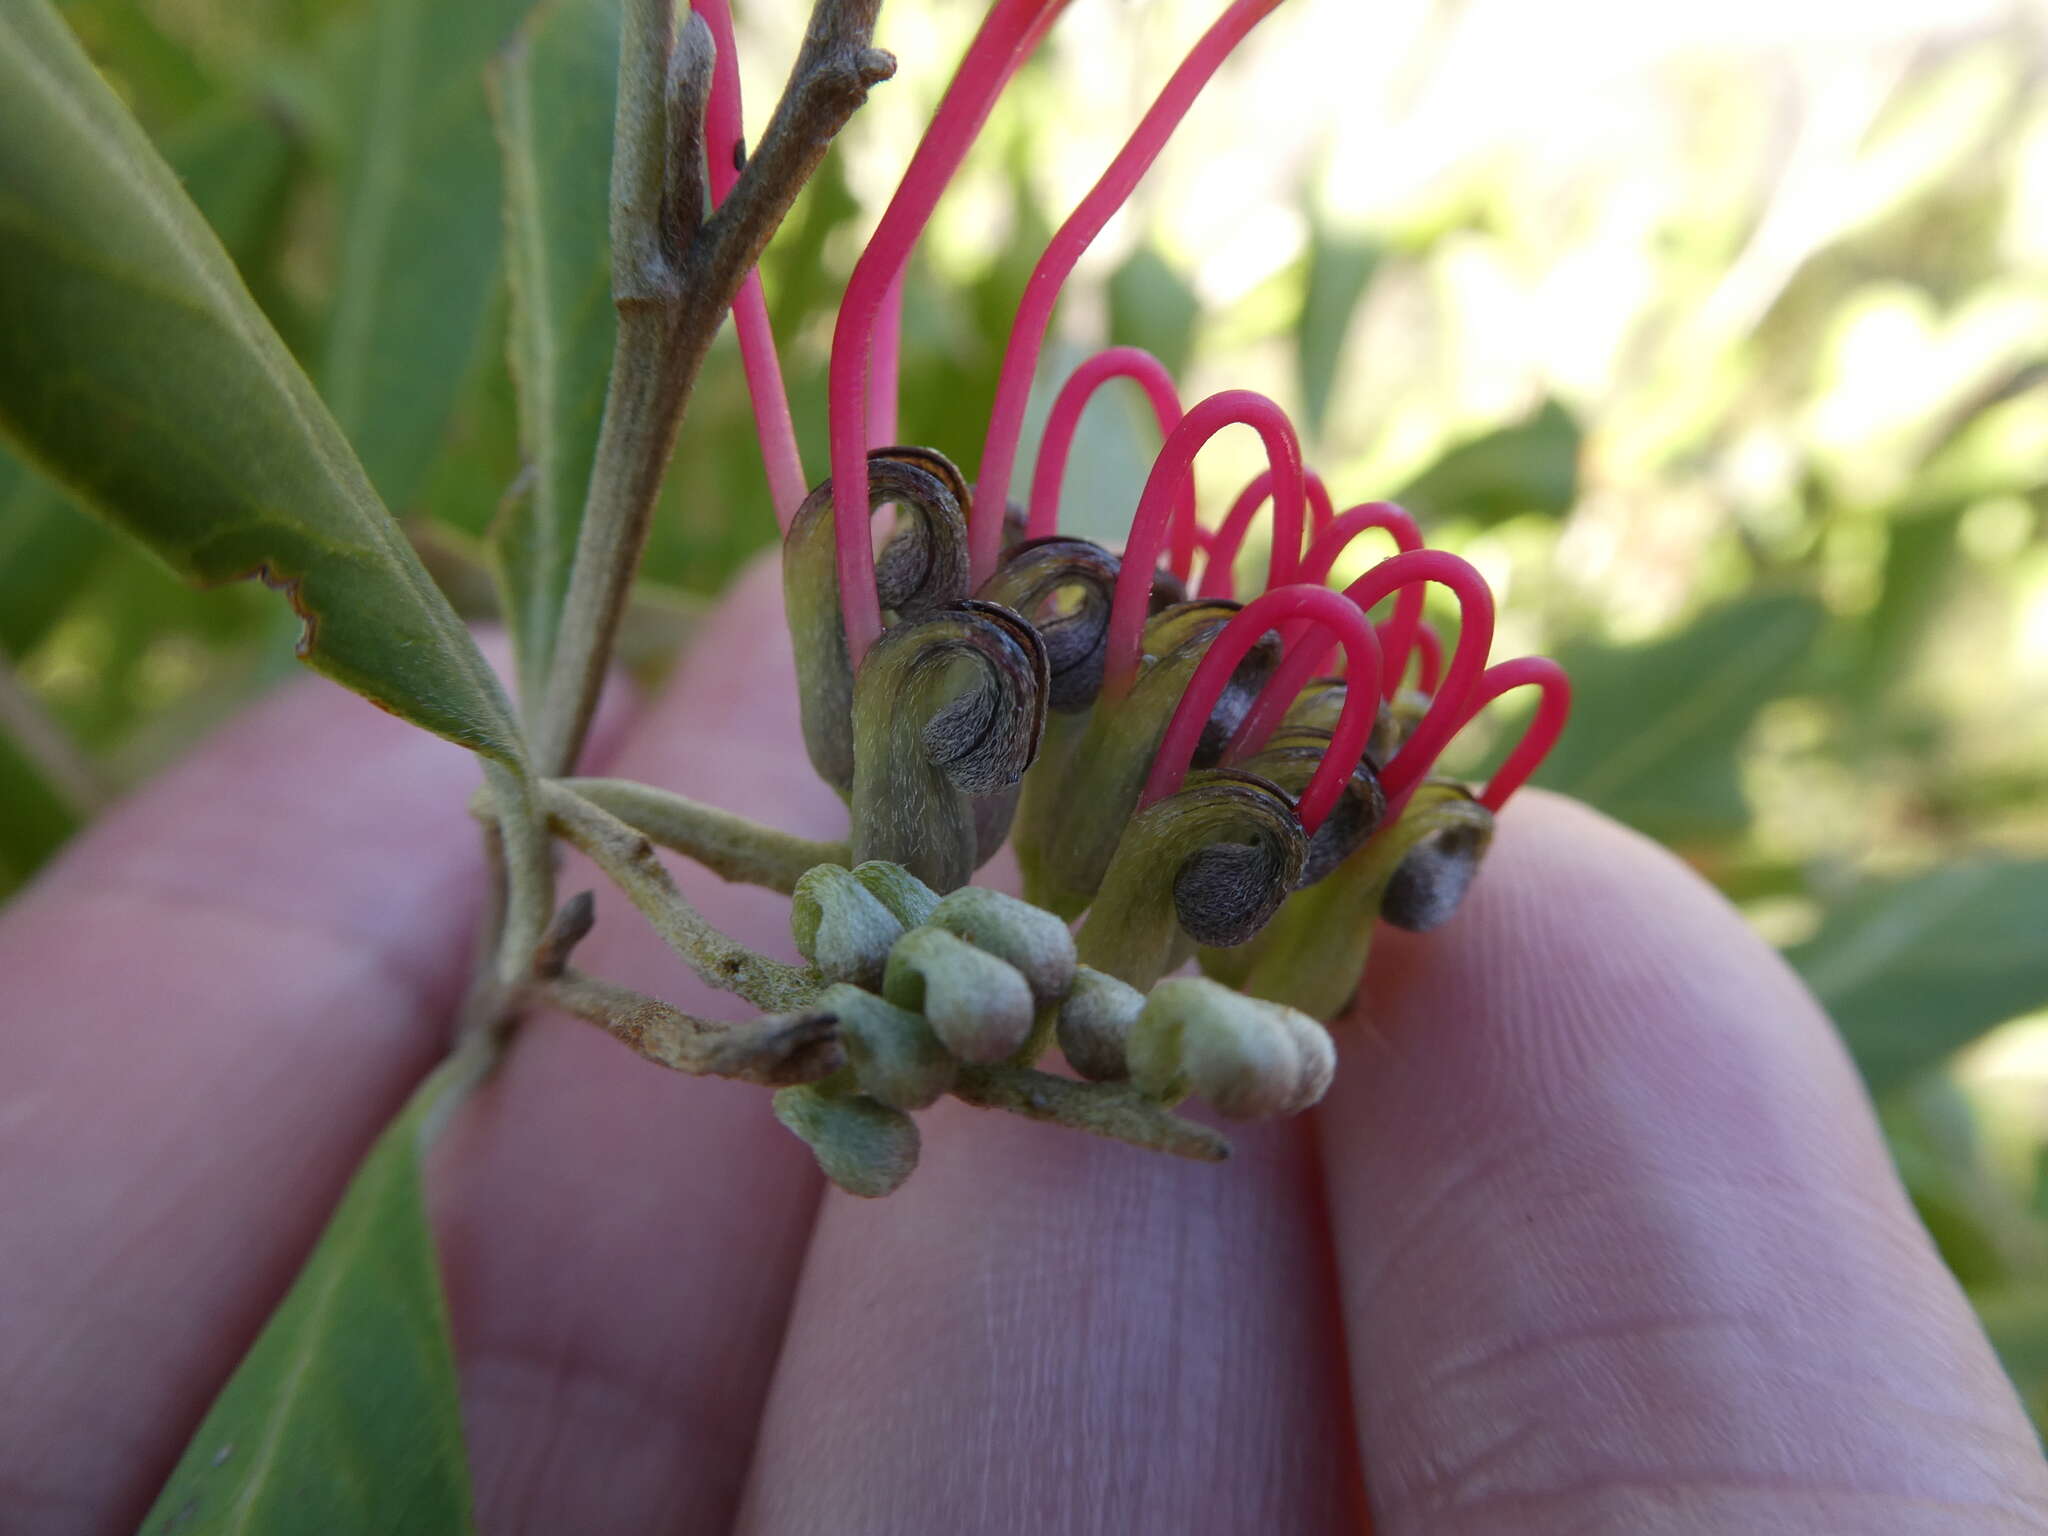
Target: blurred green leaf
<point>1529,466</point>
<point>554,95</point>
<point>1152,306</point>
<point>343,1420</point>
<point>1913,970</point>
<point>1340,269</point>
<point>134,367</point>
<point>47,547</point>
<point>421,231</point>
<point>1655,729</point>
<point>479,458</point>
<point>35,817</point>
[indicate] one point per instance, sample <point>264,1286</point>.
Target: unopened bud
<point>866,1148</point>
<point>1248,1058</point>
<point>899,890</point>
<point>1095,1024</point>
<point>894,1054</point>
<point>979,1006</point>
<point>840,926</point>
<point>1037,943</point>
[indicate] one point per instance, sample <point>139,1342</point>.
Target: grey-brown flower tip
<point>841,927</point>
<point>1033,940</point>
<point>979,1006</point>
<point>1248,1058</point>
<point>1095,1024</point>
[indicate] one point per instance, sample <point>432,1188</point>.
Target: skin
<point>1595,1232</point>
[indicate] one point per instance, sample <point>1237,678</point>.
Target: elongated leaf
<point>1913,970</point>
<point>343,1419</point>
<point>47,548</point>
<point>1527,466</point>
<point>1152,306</point>
<point>554,96</point>
<point>1656,729</point>
<point>135,368</point>
<point>420,231</point>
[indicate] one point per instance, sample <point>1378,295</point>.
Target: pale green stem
<point>1115,1110</point>
<point>730,846</point>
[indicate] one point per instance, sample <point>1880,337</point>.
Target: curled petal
<point>1290,760</point>
<point>934,574</point>
<point>1063,586</point>
<point>1207,866</point>
<point>947,708</point>
<point>1441,859</point>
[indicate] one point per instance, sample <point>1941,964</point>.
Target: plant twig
<point>674,277</point>
<point>730,846</point>
<point>1115,1110</point>
<point>778,1050</point>
<point>630,860</point>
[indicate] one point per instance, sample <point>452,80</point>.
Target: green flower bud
<point>899,890</point>
<point>841,927</point>
<point>895,1055</point>
<point>1038,944</point>
<point>1095,1024</point>
<point>980,1006</point>
<point>1248,1058</point>
<point>866,1148</point>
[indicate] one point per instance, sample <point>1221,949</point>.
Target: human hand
<point>1595,1230</point>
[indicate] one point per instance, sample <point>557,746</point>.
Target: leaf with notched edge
<point>135,368</point>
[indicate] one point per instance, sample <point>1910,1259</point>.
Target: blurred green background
<point>1719,343</point>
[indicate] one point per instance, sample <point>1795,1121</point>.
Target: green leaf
<point>421,231</point>
<point>1913,970</point>
<point>1152,306</point>
<point>1656,729</point>
<point>1340,269</point>
<point>343,1419</point>
<point>35,817</point>
<point>554,95</point>
<point>135,369</point>
<point>47,548</point>
<point>1529,466</point>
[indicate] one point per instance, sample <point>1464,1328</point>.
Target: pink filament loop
<point>886,369</point>
<point>1291,605</point>
<point>1150,375</point>
<point>1034,312</point>
<point>780,457</point>
<point>1553,707</point>
<point>1219,577</point>
<point>1429,651</point>
<point>1335,539</point>
<point>1445,714</point>
<point>1011,30</point>
<point>1232,407</point>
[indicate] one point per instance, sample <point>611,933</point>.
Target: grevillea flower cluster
<point>1242,782</point>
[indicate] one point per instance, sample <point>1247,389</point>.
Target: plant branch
<point>630,860</point>
<point>778,1050</point>
<point>730,846</point>
<point>1115,1110</point>
<point>675,275</point>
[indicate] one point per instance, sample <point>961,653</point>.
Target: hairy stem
<point>730,846</point>
<point>777,1050</point>
<point>1115,1110</point>
<point>630,860</point>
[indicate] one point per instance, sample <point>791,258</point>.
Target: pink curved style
<point>1034,312</point>
<point>885,370</point>
<point>1150,375</point>
<point>1553,708</point>
<point>1007,36</point>
<point>1429,652</point>
<point>1231,407</point>
<point>1335,539</point>
<point>1297,604</point>
<point>1219,578</point>
<point>1445,714</point>
<point>726,132</point>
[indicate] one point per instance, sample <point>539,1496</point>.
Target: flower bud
<point>841,927</point>
<point>899,890</point>
<point>1095,1024</point>
<point>895,1056</point>
<point>1248,1058</point>
<point>979,1006</point>
<point>1038,944</point>
<point>866,1148</point>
